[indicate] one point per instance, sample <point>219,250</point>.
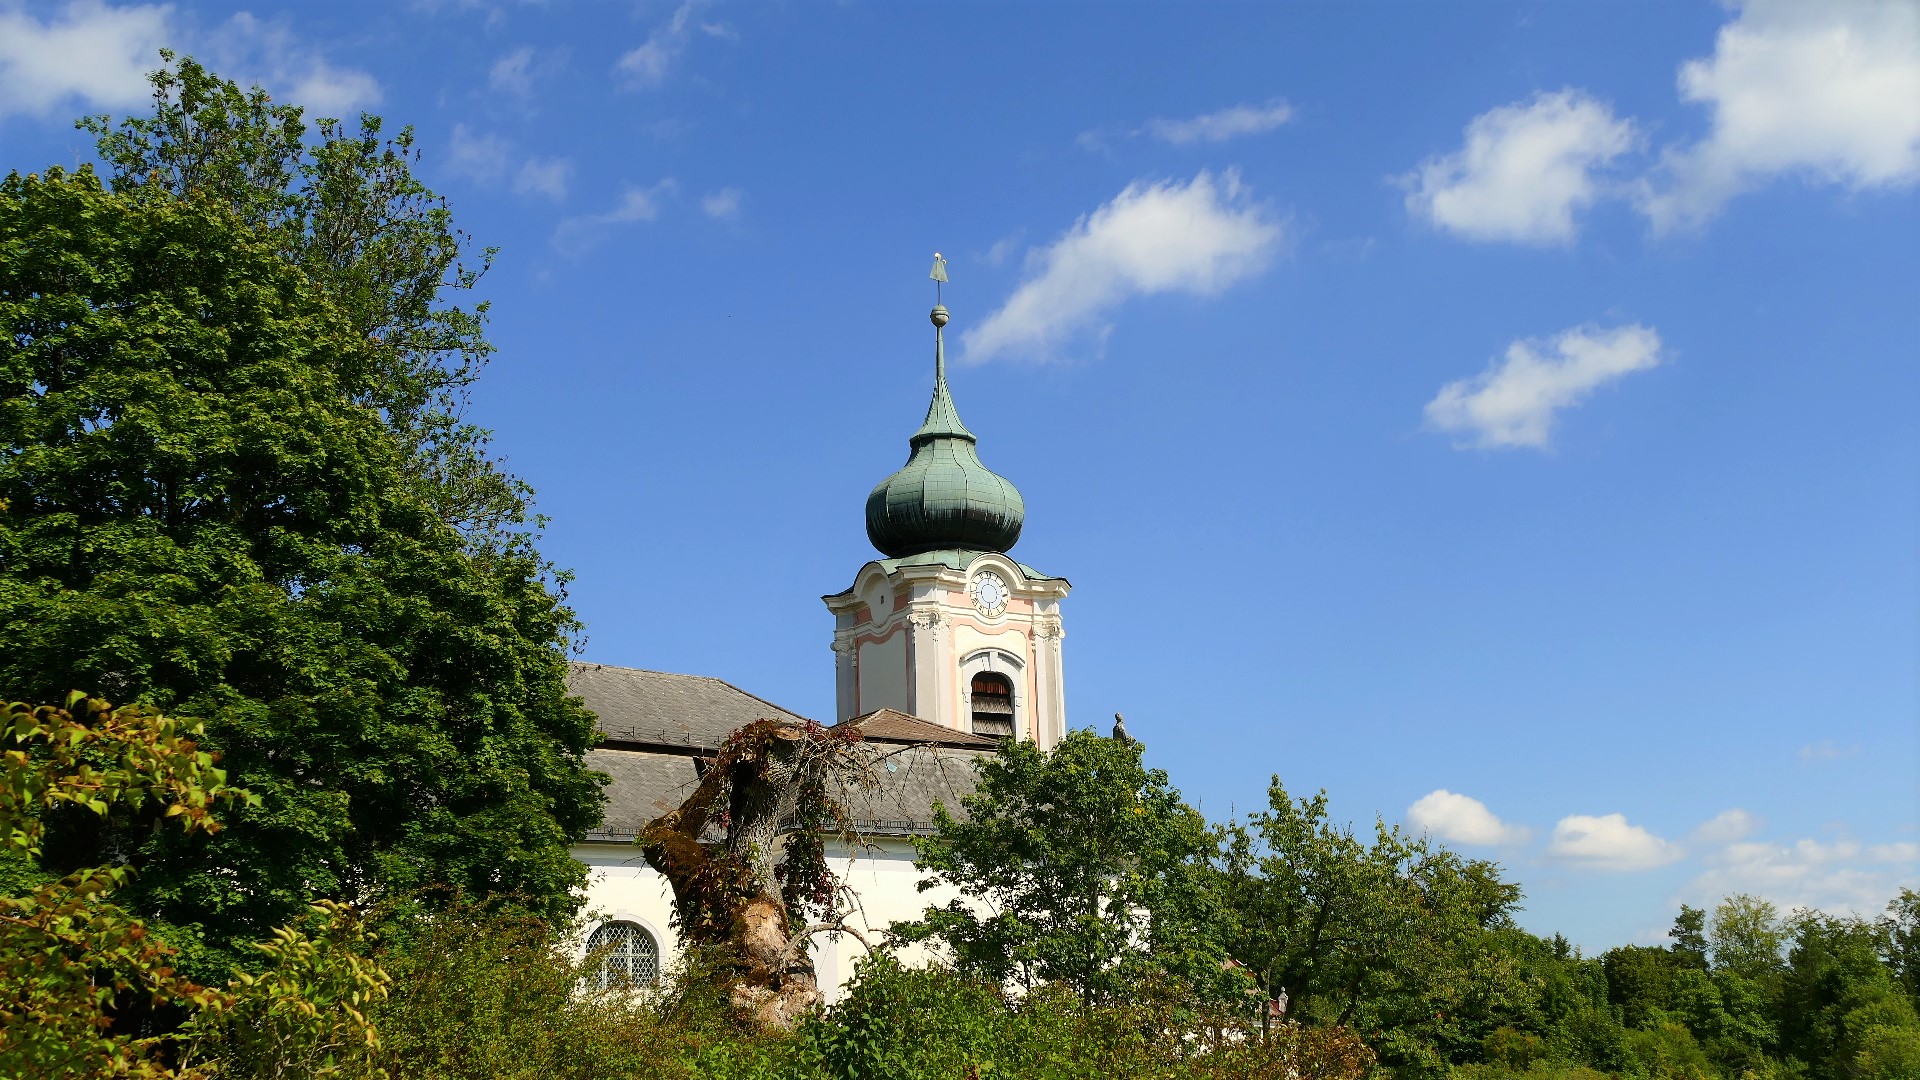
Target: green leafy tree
<point>1407,943</point>
<point>342,204</point>
<point>1749,939</point>
<point>1900,941</point>
<point>1840,998</point>
<point>1640,982</point>
<point>1078,866</point>
<point>203,512</point>
<point>1689,936</point>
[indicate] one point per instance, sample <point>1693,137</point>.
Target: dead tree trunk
<point>743,854</point>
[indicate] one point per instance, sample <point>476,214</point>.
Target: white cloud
<point>1726,827</point>
<point>513,73</point>
<point>271,54</point>
<point>1828,91</point>
<point>488,159</point>
<point>1839,876</point>
<point>1827,750</point>
<point>1609,842</point>
<point>1513,402</point>
<point>646,65</point>
<point>97,57</point>
<point>578,235</point>
<point>1461,819</point>
<point>516,74</point>
<point>1225,124</point>
<point>549,178</point>
<point>87,55</point>
<point>1904,851</point>
<point>722,205</point>
<point>1524,171</point>
<point>1198,237</point>
<point>480,158</point>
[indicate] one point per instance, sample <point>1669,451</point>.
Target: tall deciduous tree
<point>207,509</point>
<point>1388,935</point>
<point>1078,866</point>
<point>343,205</point>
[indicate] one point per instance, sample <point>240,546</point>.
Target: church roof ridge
<point>892,725</point>
<point>683,675</point>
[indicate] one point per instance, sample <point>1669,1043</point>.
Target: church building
<point>942,647</point>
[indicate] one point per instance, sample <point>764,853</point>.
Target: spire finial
<point>939,276</point>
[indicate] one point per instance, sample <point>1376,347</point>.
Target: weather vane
<point>939,274</point>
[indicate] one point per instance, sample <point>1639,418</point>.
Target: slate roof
<point>656,724</point>
<point>661,709</point>
<point>912,778</point>
<point>892,725</point>
<point>645,786</point>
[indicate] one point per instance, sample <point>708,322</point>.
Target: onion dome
<point>943,498</point>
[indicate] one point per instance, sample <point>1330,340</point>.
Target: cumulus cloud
<point>1829,92</point>
<point>1726,827</point>
<point>1514,401</point>
<point>645,66</point>
<point>1609,842</point>
<point>479,158</point>
<point>1198,237</point>
<point>88,55</point>
<point>1839,876</point>
<point>487,159</point>
<point>271,54</point>
<point>578,235</point>
<point>1524,171</point>
<point>85,54</point>
<point>549,177</point>
<point>722,205</point>
<point>1224,124</point>
<point>1461,819</point>
<point>515,74</point>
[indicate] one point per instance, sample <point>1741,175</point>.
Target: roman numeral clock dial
<point>989,594</point>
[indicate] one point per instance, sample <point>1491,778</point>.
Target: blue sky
<point>1499,415</point>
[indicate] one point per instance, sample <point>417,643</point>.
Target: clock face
<point>989,594</point>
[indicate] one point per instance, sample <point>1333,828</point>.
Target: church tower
<point>946,626</point>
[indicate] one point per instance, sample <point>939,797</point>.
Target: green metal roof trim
<point>957,560</point>
<point>943,497</point>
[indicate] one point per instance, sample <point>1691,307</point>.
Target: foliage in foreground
<point>83,980</point>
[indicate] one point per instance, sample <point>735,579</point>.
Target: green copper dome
<point>943,498</point>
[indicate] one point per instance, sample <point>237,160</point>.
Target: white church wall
<point>621,887</point>
<point>884,878</point>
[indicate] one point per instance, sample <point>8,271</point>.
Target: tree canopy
<point>1079,866</point>
<point>218,501</point>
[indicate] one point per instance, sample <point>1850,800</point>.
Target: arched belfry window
<point>992,696</point>
<point>632,956</point>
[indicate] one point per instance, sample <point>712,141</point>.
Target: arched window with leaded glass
<point>631,956</point>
